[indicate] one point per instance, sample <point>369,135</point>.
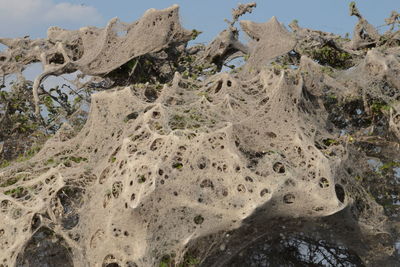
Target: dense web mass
<point>179,162</point>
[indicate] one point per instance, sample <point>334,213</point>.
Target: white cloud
<point>70,12</point>
<point>24,17</point>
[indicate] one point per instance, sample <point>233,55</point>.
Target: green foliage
<point>4,164</point>
<point>191,119</point>
<point>330,141</point>
<point>358,179</point>
<point>330,56</point>
<point>177,165</point>
<point>77,159</point>
<point>331,97</point>
<point>16,192</point>
<point>77,102</point>
<point>50,161</point>
<point>22,129</point>
<point>327,70</point>
<point>131,64</point>
<point>58,105</point>
<point>177,122</point>
<point>29,153</point>
<point>205,94</point>
<point>195,34</point>
<point>32,151</point>
<point>389,165</point>
<point>67,161</point>
<point>279,66</point>
<point>190,261</point>
<point>10,181</point>
<point>379,107</point>
<point>166,261</point>
<point>19,109</point>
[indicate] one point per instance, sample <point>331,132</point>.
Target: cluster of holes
<point>264,101</point>
<point>248,179</point>
<point>37,188</point>
<point>215,141</point>
<point>253,157</point>
<point>118,232</point>
<point>203,163</point>
<point>207,183</point>
<point>156,144</point>
<point>323,182</point>
<point>177,160</point>
<point>104,175</point>
<point>117,188</point>
<point>56,58</point>
<point>290,182</point>
<point>220,166</point>
<point>5,205</point>
<point>131,148</point>
<point>140,137</point>
<point>76,49</point>
<point>18,193</point>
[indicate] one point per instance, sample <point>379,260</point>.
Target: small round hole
<point>264,192</point>
<point>241,188</point>
<point>198,219</point>
<point>289,198</point>
<point>156,115</point>
<point>279,167</point>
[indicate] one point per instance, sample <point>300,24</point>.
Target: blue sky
<point>33,17</point>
